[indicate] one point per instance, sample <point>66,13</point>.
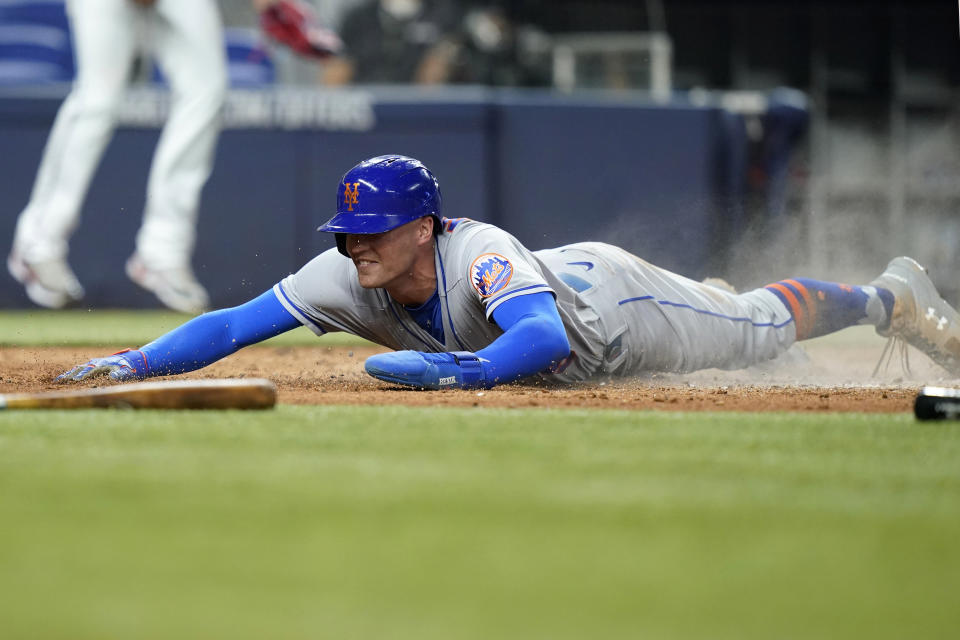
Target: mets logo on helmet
<point>350,196</point>
<point>490,273</point>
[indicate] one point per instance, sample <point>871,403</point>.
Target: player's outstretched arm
<point>194,344</point>
<point>533,340</point>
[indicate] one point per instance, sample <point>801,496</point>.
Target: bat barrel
<point>228,393</point>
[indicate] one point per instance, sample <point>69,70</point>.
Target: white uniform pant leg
<point>189,46</point>
<point>678,325</point>
<point>104,34</point>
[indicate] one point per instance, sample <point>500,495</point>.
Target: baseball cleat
<point>176,287</point>
<point>50,284</point>
<point>920,316</point>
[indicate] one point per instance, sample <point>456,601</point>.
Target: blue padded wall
<point>656,180</point>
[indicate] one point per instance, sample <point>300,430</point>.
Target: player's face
<point>387,260</point>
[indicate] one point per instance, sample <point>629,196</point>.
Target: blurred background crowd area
<point>850,108</point>
<point>852,45</point>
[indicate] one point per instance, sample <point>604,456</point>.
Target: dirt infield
<point>830,374</point>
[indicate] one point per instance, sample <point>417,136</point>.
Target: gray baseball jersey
<point>623,316</point>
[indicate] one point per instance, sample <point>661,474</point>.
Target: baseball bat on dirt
<point>937,403</point>
<point>228,393</point>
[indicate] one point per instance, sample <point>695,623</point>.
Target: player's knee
<point>209,94</point>
<point>96,102</point>
<point>216,90</point>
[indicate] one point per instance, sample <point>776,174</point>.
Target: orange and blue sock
<point>819,308</point>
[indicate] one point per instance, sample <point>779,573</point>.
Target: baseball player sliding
<point>186,39</point>
<point>465,305</point>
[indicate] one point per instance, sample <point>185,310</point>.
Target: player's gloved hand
<point>292,23</point>
<point>123,365</point>
<point>452,370</point>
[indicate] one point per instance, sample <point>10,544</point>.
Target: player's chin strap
<point>471,369</point>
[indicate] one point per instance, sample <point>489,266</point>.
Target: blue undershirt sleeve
<point>211,336</point>
<point>534,339</point>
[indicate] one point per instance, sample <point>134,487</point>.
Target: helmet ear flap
<point>341,243</point>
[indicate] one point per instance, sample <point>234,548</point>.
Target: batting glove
<point>293,24</point>
<point>453,370</point>
<point>123,365</point>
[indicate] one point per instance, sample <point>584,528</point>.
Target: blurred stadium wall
<point>746,139</point>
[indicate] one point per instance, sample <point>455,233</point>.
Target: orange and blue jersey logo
<point>490,273</point>
<point>350,196</point>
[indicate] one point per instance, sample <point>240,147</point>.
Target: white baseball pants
<point>186,39</point>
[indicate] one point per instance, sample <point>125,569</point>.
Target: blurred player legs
<point>104,48</point>
<point>188,44</point>
<point>186,38</point>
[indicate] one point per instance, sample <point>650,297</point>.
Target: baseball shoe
<point>50,284</point>
<point>920,316</point>
<point>177,288</point>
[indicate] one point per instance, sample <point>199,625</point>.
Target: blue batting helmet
<point>381,194</point>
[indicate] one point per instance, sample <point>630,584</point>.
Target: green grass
<point>387,522</point>
<point>135,328</point>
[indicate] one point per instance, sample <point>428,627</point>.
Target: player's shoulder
<point>472,246</point>
<point>471,238</point>
<point>452,225</point>
<point>466,231</point>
